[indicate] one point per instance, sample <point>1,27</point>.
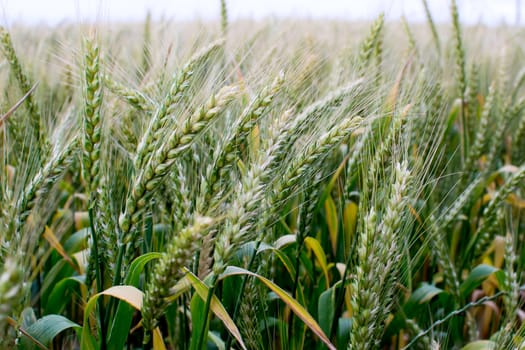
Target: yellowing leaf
<point>53,241</point>
<point>216,306</point>
<point>349,224</point>
<point>158,342</point>
<point>516,201</point>
<point>499,251</point>
<point>318,251</point>
<point>131,295</point>
<point>331,221</point>
<point>255,140</point>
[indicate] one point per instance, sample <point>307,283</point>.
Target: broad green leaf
<point>137,266</point>
<point>57,273</point>
<point>480,345</point>
<point>326,310</point>
<point>331,221</point>
<point>77,241</point>
<point>198,319</point>
<point>501,278</point>
<point>344,326</point>
<point>475,278</point>
<point>420,296</point>
<point>27,317</point>
<point>318,251</point>
<point>119,330</point>
<point>297,308</point>
<point>216,306</point>
<point>60,293</point>
<point>285,259</point>
<point>245,251</point>
<point>48,327</point>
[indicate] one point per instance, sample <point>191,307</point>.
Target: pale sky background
<point>491,12</point>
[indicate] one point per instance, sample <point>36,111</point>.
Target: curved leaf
<point>56,300</point>
<point>285,259</point>
<point>284,241</point>
<point>216,306</point>
<point>297,308</point>
<point>318,251</point>
<point>48,327</point>
<point>332,222</point>
<point>131,295</point>
<point>422,295</point>
<point>137,266</point>
<point>475,278</point>
<point>349,224</point>
<point>77,241</point>
<point>119,330</point>
<point>326,309</point>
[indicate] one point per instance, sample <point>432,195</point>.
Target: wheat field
<point>272,184</point>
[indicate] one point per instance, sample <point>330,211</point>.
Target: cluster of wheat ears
<point>262,185</point>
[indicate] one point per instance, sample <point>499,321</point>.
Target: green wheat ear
<point>378,255</point>
<point>229,153</point>
<point>461,75</point>
<point>224,18</point>
<point>92,117</point>
<point>135,98</point>
<point>162,114</point>
<point>412,46</point>
<point>168,270</point>
<point>146,47</point>
<point>35,120</point>
<point>43,181</point>
<point>432,25</point>
<point>371,46</point>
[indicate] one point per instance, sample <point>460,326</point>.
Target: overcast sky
<point>54,11</point>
